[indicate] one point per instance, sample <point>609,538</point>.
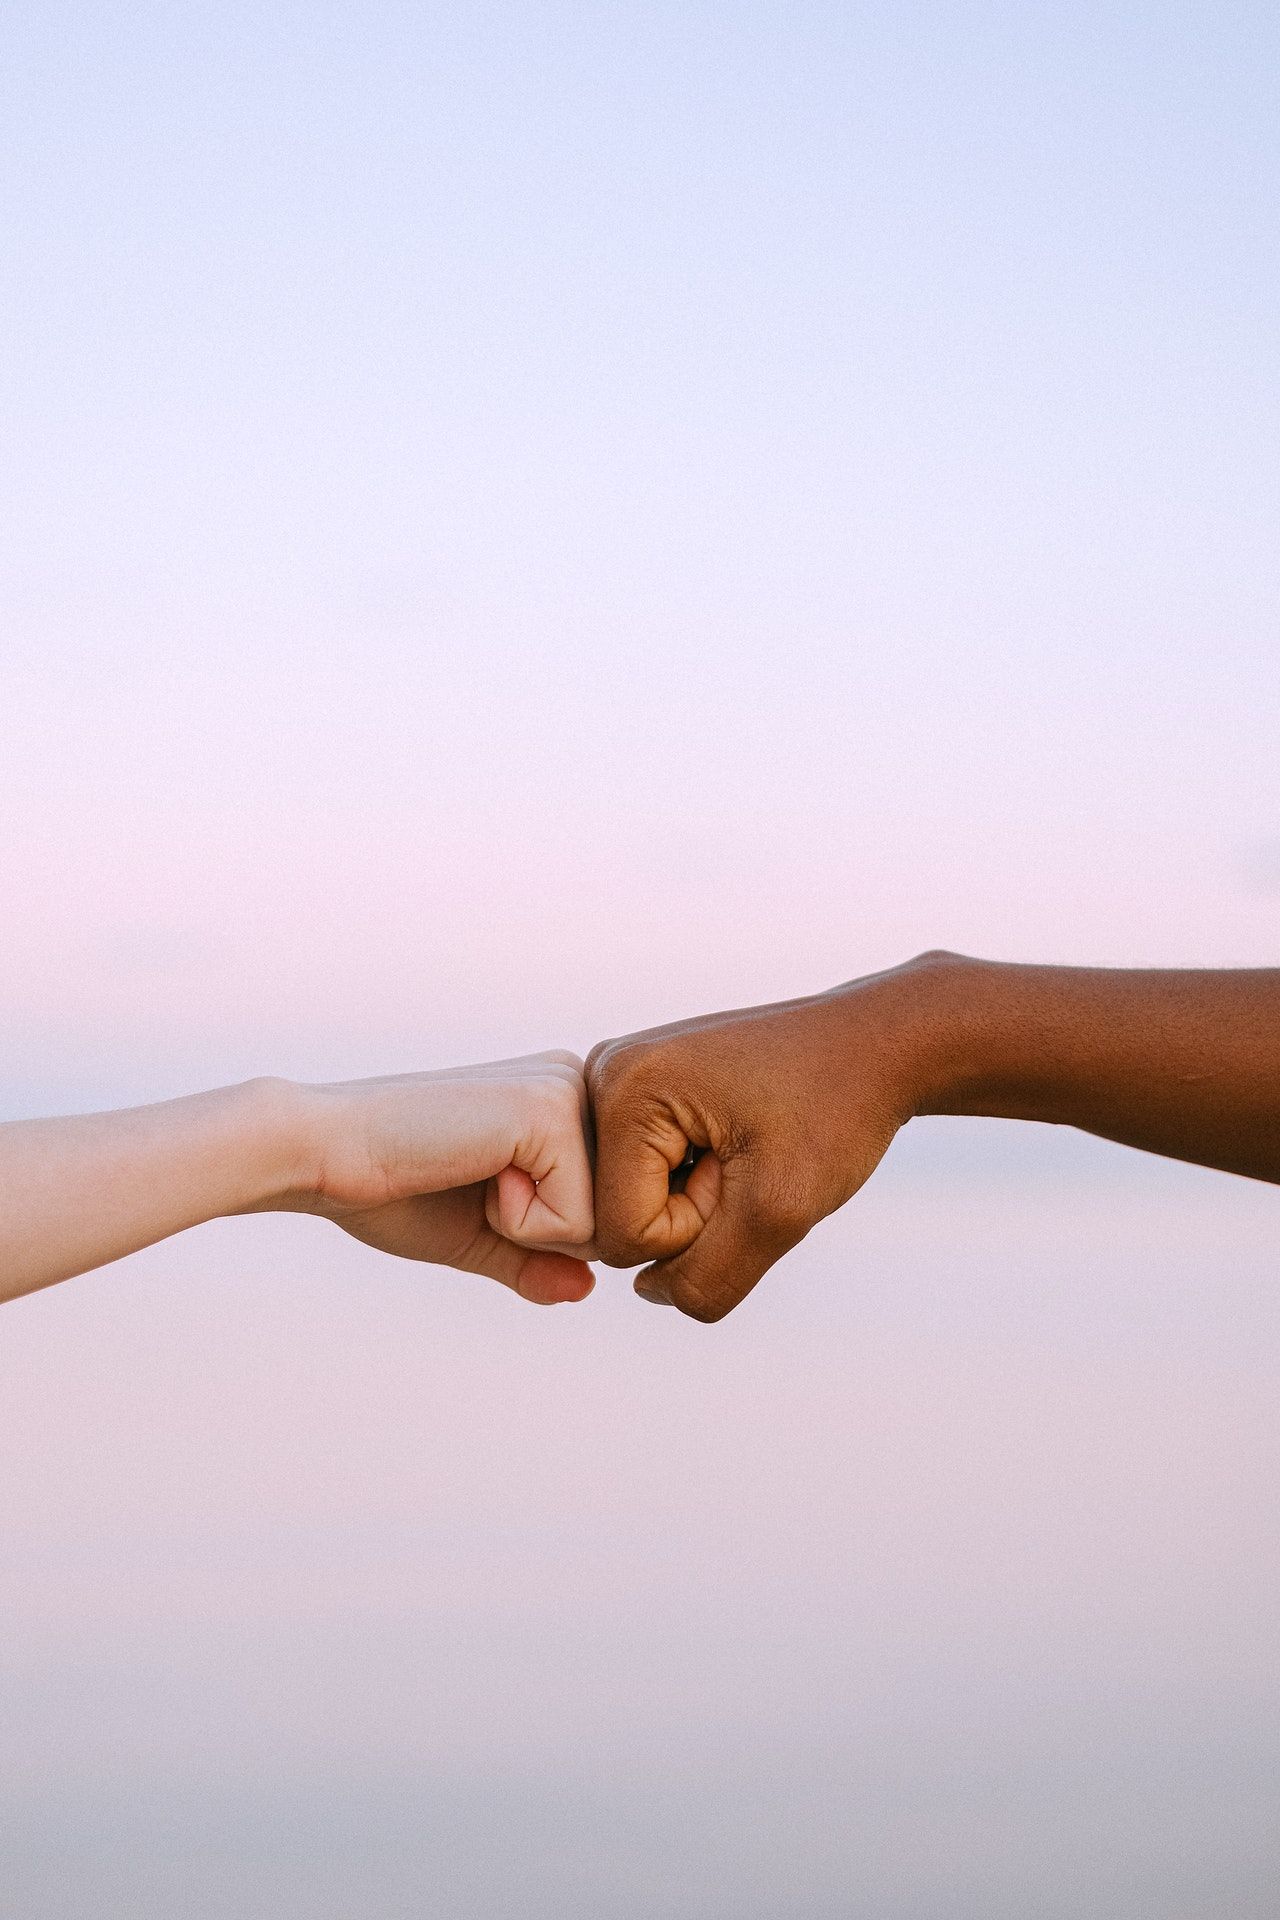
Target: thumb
<point>737,1245</point>
<point>541,1276</point>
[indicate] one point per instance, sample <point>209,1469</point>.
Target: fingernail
<point>654,1295</point>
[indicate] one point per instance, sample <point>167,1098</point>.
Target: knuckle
<point>561,1057</point>
<point>563,1099</point>
<point>611,1070</point>
<point>702,1306</point>
<point>596,1060</point>
<point>553,1103</point>
<point>626,1237</point>
<point>617,1248</point>
<point>580,1220</point>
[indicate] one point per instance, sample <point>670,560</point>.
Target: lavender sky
<point>518,521</point>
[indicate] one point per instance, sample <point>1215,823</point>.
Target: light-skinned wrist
<point>279,1149</point>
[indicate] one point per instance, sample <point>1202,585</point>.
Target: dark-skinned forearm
<point>1184,1063</point>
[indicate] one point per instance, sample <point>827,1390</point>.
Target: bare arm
<point>1180,1062</point>
<point>788,1109</point>
<point>483,1168</point>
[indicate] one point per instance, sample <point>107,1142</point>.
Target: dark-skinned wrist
<point>920,1029</point>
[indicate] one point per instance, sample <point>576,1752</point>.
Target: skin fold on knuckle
<point>619,1246</point>
<point>558,1211</point>
<point>596,1066</point>
<point>632,1223</point>
<point>620,1076</point>
<point>556,1111</point>
<point>705,1306</point>
<point>631,1184</point>
<point>575,1215</point>
<point>573,1204</point>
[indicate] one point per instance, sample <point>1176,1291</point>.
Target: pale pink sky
<point>520,524</point>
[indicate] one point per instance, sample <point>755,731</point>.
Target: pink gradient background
<point>515,525</point>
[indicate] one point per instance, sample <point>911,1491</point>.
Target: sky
<point>522,521</point>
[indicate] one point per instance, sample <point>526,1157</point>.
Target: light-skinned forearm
<point>482,1168</point>
<point>76,1193</point>
<point>1182,1062</point>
